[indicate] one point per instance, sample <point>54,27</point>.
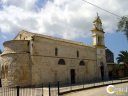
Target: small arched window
<point>99,40</point>
<point>6,71</point>
<point>20,36</point>
<point>56,51</point>
<point>82,63</point>
<point>61,62</point>
<point>77,53</point>
<point>3,72</point>
<point>6,68</point>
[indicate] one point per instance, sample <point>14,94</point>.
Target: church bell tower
<point>98,33</point>
<point>99,44</point>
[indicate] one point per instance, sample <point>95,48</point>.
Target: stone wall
<point>45,67</point>
<point>46,47</point>
<point>37,61</point>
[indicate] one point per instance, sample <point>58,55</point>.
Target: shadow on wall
<point>0,83</point>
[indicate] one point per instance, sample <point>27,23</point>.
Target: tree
<point>123,57</point>
<point>123,25</point>
<point>0,51</point>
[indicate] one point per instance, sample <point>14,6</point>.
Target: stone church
<point>31,59</point>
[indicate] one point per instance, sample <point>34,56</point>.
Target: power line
<point>102,8</point>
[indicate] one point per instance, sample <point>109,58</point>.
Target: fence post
<point>94,84</point>
<point>70,86</point>
<point>103,82</point>
<point>58,85</point>
<point>112,81</point>
<point>83,83</point>
<point>49,89</point>
<point>17,90</point>
<point>42,89</point>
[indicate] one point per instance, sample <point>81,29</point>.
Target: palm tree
<point>123,25</point>
<point>123,57</point>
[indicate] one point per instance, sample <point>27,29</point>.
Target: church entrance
<point>72,74</point>
<point>102,71</point>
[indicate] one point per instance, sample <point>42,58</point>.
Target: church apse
<point>15,63</point>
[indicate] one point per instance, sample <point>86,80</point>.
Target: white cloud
<point>63,18</point>
<point>13,19</point>
<point>25,4</point>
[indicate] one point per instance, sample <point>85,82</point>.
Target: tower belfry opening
<point>97,23</point>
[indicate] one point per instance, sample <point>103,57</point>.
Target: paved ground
<point>102,91</point>
<point>92,92</point>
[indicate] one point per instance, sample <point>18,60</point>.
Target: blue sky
<point>62,18</point>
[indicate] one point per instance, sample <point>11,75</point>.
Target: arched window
<point>3,72</point>
<point>61,62</point>
<point>82,63</point>
<point>77,53</point>
<point>56,51</point>
<point>6,71</point>
<point>20,36</point>
<point>99,40</point>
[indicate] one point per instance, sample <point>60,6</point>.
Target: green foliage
<point>123,57</point>
<point>123,25</point>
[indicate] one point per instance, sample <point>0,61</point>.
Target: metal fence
<point>8,92</point>
<point>55,89</point>
<point>18,91</point>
